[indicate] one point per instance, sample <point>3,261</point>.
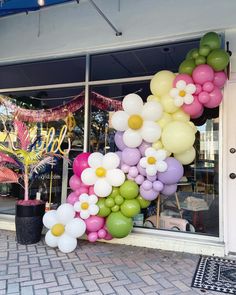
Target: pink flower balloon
<point>194,108</point>
<point>202,74</point>
<point>215,98</point>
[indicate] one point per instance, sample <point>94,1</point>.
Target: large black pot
<point>29,223</point>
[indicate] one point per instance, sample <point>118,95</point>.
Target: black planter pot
<point>29,223</point>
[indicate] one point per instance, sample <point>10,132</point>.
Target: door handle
<point>232,175</point>
<point>232,150</point>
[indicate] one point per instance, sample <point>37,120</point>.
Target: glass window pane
<point>139,62</point>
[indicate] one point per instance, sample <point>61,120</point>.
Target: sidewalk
<point>94,269</point>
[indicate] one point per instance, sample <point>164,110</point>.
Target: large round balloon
<point>211,39</point>
<point>130,208</point>
<point>80,163</point>
<point>218,59</point>
<point>178,137</point>
<point>174,172</point>
<point>129,190</point>
<point>162,82</point>
<point>131,156</point>
<point>118,225</point>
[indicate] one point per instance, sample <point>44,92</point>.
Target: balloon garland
<point>154,140</point>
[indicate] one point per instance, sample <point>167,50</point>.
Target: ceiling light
<point>41,2</point>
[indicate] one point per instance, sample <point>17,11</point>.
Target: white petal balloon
<point>50,218</point>
<point>93,209</point>
<point>75,228</point>
<point>151,131</point>
<point>115,177</point>
<point>132,138</point>
<point>119,120</point>
<point>51,240</point>
<point>88,176</point>
<point>102,188</point>
<point>132,104</point>
<point>95,160</point>
<point>152,111</point>
<point>110,161</point>
<point>66,243</point>
<point>65,213</point>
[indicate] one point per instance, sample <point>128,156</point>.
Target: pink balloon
<point>91,190</point>
<point>82,190</point>
<point>220,79</point>
<point>197,115</point>
<point>80,163</point>
<point>94,223</point>
<point>102,233</point>
<point>142,148</point>
<point>203,97</point>
<point>198,89</point>
<point>74,182</point>
<point>188,79</point>
<point>92,237</point>
<point>108,237</point>
<point>215,98</point>
<point>72,198</point>
<point>208,86</point>
<point>194,108</point>
<point>202,74</point>
<point>139,179</point>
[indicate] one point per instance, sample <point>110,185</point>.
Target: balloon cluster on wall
<point>154,140</point>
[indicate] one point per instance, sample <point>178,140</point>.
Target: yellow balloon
<point>157,145</point>
<point>168,104</point>
<point>177,137</point>
<point>193,126</point>
<point>162,83</point>
<point>153,98</point>
<point>180,115</point>
<point>186,157</point>
<point>165,119</point>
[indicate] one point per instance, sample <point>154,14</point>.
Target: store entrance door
<point>229,175</point>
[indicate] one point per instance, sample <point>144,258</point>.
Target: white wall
<point>72,28</point>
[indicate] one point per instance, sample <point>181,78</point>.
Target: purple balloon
<point>151,178</point>
<point>125,168</point>
<point>119,154</point>
<point>131,156</point>
<point>173,173</point>
<point>119,140</point>
<point>149,195</point>
<point>133,171</point>
<point>139,179</point>
<point>158,186</point>
<point>130,177</point>
<point>147,185</point>
<point>142,148</point>
<point>141,170</point>
<point>169,189</point>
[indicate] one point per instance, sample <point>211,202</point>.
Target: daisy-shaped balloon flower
<point>86,206</point>
<point>103,173</point>
<point>154,161</point>
<point>64,228</point>
<point>138,120</point>
<point>183,93</point>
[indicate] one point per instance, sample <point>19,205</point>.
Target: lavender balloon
<point>119,154</point>
<point>119,140</point>
<point>151,178</point>
<point>141,170</point>
<point>133,172</point>
<point>130,177</point>
<point>142,148</point>
<point>125,168</point>
<point>139,179</point>
<point>149,195</point>
<point>158,186</point>
<point>173,173</point>
<point>169,189</point>
<point>147,185</point>
<point>131,156</point>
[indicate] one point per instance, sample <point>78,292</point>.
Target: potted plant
<point>19,161</point>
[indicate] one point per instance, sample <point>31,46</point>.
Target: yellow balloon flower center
<point>58,229</point>
<point>101,172</point>
<point>135,122</point>
<point>182,93</point>
<point>151,160</point>
<point>84,205</point>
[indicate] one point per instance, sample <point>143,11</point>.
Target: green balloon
<point>211,39</point>
<point>189,54</point>
<point>129,190</point>
<point>187,66</point>
<point>115,208</point>
<point>103,209</point>
<point>119,200</point>
<point>195,53</point>
<point>130,208</point>
<point>114,193</point>
<point>218,59</point>
<point>118,225</point>
<point>204,50</point>
<point>109,202</point>
<point>200,60</point>
<point>142,202</point>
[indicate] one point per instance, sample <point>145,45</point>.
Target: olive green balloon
<point>119,199</point>
<point>187,66</point>
<point>103,209</point>
<point>200,60</point>
<point>129,190</point>
<point>130,208</point>
<point>190,53</point>
<point>218,59</point>
<point>195,53</point>
<point>142,202</point>
<point>115,208</point>
<point>114,193</point>
<point>118,225</point>
<point>211,39</point>
<point>109,202</point>
<point>204,50</point>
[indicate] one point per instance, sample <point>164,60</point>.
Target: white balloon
<point>65,213</point>
<point>92,199</point>
<point>190,88</point>
<point>119,120</point>
<point>132,104</point>
<point>151,131</point>
<point>152,111</point>
<point>95,160</point>
<point>143,162</point>
<point>93,209</point>
<point>102,188</point>
<point>84,214</point>
<point>88,176</point>
<point>151,170</point>
<point>110,161</point>
<point>51,240</point>
<point>67,244</point>
<point>77,206</point>
<point>50,219</point>
<point>161,166</point>
<point>75,228</point>
<point>132,138</point>
<point>115,177</point>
